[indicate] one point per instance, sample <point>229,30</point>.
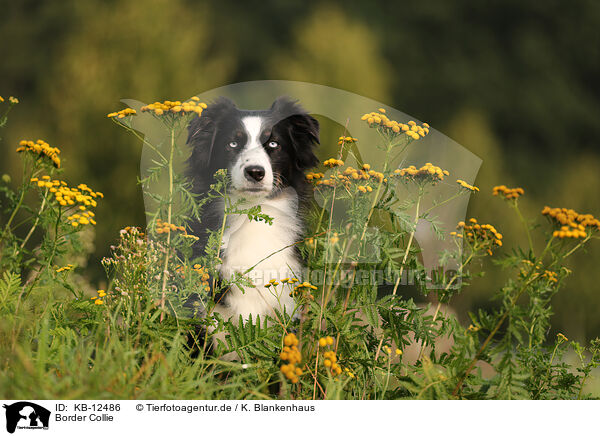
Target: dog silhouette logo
<point>26,415</point>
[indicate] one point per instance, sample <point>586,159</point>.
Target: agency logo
<point>26,415</point>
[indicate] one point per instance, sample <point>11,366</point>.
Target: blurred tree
<point>345,50</point>
<point>114,50</point>
<point>347,56</point>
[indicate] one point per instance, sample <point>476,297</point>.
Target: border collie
<point>266,153</point>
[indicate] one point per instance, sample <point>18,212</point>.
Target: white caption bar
<point>162,417</point>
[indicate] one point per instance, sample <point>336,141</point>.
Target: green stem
<point>53,253</point>
<point>387,379</point>
<point>19,203</point>
<point>24,293</point>
<point>522,219</point>
<point>585,376</point>
<point>340,155</point>
<point>169,212</point>
<point>581,387</point>
<point>319,223</point>
<point>143,139</point>
<point>376,196</point>
<point>439,305</point>
<point>410,240</point>
<point>577,247</point>
<point>528,280</point>
<point>37,220</point>
<point>549,368</point>
<point>443,202</point>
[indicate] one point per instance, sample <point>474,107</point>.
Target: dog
<point>266,154</point>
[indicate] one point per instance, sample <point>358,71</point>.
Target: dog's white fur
<point>265,247</point>
<point>253,154</point>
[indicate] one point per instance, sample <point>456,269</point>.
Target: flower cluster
<point>323,342</point>
<point>41,148</point>
<point>473,328</point>
<point>333,163</point>
<point>204,276</point>
<point>388,350</point>
<point>330,360</point>
<point>11,100</point>
<point>526,268</point>
<point>348,372</point>
<point>346,140</point>
<point>575,231</point>
<point>69,267</point>
<point>331,182</point>
<point>526,271</point>
<point>163,227</point>
<point>134,231</point>
<point>305,285</point>
<point>272,282</point>
<point>314,176</point>
<point>292,355</point>
<point>98,300</point>
<point>175,107</point>
<point>346,177</point>
<point>484,234</point>
<point>46,182</point>
<point>427,173</point>
<point>303,290</point>
<point>375,174</point>
<point>466,186</point>
<point>381,121</point>
<point>551,276</point>
<point>65,196</point>
<point>508,193</point>
<point>365,173</point>
<point>201,271</point>
<point>83,218</point>
<point>122,113</point>
<point>529,264</point>
<point>573,224</point>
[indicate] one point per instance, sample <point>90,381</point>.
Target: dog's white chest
<point>267,251</point>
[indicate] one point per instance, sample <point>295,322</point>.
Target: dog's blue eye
<point>273,144</point>
<point>233,144</point>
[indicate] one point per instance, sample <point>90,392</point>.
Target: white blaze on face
<point>252,154</point>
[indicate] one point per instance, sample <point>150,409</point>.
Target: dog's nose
<point>254,173</point>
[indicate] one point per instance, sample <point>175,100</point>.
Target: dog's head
<point>263,151</point>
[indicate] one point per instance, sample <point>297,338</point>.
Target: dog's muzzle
<point>254,173</point>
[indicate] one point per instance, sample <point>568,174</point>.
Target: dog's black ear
<point>304,136</point>
<point>203,129</point>
<point>303,130</point>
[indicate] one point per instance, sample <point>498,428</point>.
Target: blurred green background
<point>514,82</point>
